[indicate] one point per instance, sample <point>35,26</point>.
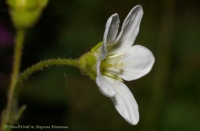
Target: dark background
<point>168,97</point>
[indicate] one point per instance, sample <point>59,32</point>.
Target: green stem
<point>43,64</point>
<point>15,72</point>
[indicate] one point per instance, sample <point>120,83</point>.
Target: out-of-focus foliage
<point>168,97</point>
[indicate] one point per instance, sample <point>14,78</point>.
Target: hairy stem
<point>15,72</point>
<point>43,64</point>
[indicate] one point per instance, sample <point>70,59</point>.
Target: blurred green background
<point>168,97</point>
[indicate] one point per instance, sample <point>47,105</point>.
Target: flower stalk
<point>44,64</point>
<point>14,77</point>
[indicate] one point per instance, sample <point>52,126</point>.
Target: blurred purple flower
<point>6,36</point>
<point>6,40</point>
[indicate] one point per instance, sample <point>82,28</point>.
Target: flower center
<point>112,66</point>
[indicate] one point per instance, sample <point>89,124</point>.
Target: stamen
<point>113,76</point>
<point>113,56</point>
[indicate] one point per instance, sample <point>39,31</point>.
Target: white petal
<point>129,31</point>
<point>125,103</point>
<point>137,62</point>
<point>111,29</point>
<point>104,85</point>
<point>110,33</point>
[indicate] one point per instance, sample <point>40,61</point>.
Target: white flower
<point>120,60</point>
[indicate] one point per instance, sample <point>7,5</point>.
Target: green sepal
<point>87,65</point>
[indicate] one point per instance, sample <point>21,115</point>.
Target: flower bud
<point>25,13</point>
